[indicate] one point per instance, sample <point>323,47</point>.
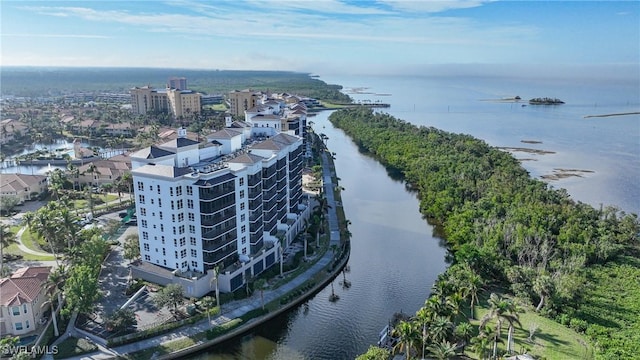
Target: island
<point>545,101</point>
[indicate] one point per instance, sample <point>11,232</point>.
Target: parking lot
<point>114,280</point>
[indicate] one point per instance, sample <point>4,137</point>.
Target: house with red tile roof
<point>21,299</point>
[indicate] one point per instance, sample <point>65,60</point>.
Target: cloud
<point>75,36</point>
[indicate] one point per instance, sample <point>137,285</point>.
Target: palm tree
<point>6,238</point>
<point>501,310</point>
<point>42,223</point>
<point>408,334</point>
<point>53,287</point>
<point>441,328</point>
<point>260,284</point>
<point>473,286</point>
<point>208,302</point>
<point>464,332</point>
<point>442,350</point>
<point>481,344</point>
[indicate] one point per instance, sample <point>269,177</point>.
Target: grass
<point>167,348</point>
<point>73,347</point>
<point>27,240</point>
<point>552,340</point>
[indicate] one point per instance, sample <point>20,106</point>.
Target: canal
<point>395,258</point>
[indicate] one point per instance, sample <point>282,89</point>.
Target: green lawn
<point>73,347</point>
<point>552,340</point>
<point>27,240</point>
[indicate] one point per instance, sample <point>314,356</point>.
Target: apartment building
<point>241,100</point>
<point>177,102</point>
<point>231,203</point>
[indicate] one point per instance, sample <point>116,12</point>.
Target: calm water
<point>395,256</point>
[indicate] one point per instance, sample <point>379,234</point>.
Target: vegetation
<point>34,82</point>
<point>73,347</point>
<point>502,225</point>
<point>172,294</point>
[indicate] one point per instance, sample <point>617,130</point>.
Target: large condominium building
<point>241,100</point>
<point>177,83</point>
<point>232,203</point>
<point>174,101</point>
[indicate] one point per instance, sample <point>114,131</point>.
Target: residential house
<point>24,187</point>
<point>21,299</point>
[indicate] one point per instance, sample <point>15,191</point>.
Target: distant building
<point>107,172</point>
<point>24,187</point>
<point>241,100</point>
<point>179,83</point>
<point>9,129</point>
<point>21,299</point>
<point>174,101</point>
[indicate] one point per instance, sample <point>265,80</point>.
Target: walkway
<point>334,230</point>
<point>24,248</point>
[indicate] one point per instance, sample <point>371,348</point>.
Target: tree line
<point>514,231</point>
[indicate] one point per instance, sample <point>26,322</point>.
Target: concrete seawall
<point>252,323</point>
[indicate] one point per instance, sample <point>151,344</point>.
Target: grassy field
<point>551,341</point>
<point>73,347</point>
<point>29,242</point>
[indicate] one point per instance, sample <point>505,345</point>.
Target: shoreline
<point>612,114</point>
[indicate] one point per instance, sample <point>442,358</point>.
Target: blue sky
<point>322,36</point>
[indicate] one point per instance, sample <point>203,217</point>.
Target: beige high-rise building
<point>173,101</point>
<point>241,100</point>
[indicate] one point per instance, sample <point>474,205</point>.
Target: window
<point>189,190</point>
<point>244,251</point>
<point>145,235</point>
<point>171,191</point>
<point>140,186</point>
<point>175,242</point>
<point>180,204</point>
<point>160,214</point>
<point>151,187</point>
<point>147,258</point>
<point>194,264</point>
<point>179,191</point>
<point>190,203</point>
<point>162,236</point>
<point>141,198</point>
<point>184,264</point>
<point>241,206</point>
<point>192,240</point>
<point>173,217</point>
<point>162,228</point>
<point>146,247</point>
<point>192,217</point>
<point>243,217</point>
<point>241,194</point>
<point>143,211</point>
<point>18,326</point>
<point>183,253</point>
<point>192,229</point>
<point>174,230</point>
<point>15,310</point>
<point>194,253</point>
<point>27,323</point>
<point>164,251</point>
<point>158,187</point>
<point>183,241</point>
<point>181,229</point>
<point>241,181</point>
<point>181,217</point>
<point>244,239</point>
<point>172,205</point>
<point>243,229</point>
<point>159,202</point>
<point>24,308</point>
<point>144,224</point>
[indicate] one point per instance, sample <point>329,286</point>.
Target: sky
<point>321,36</point>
